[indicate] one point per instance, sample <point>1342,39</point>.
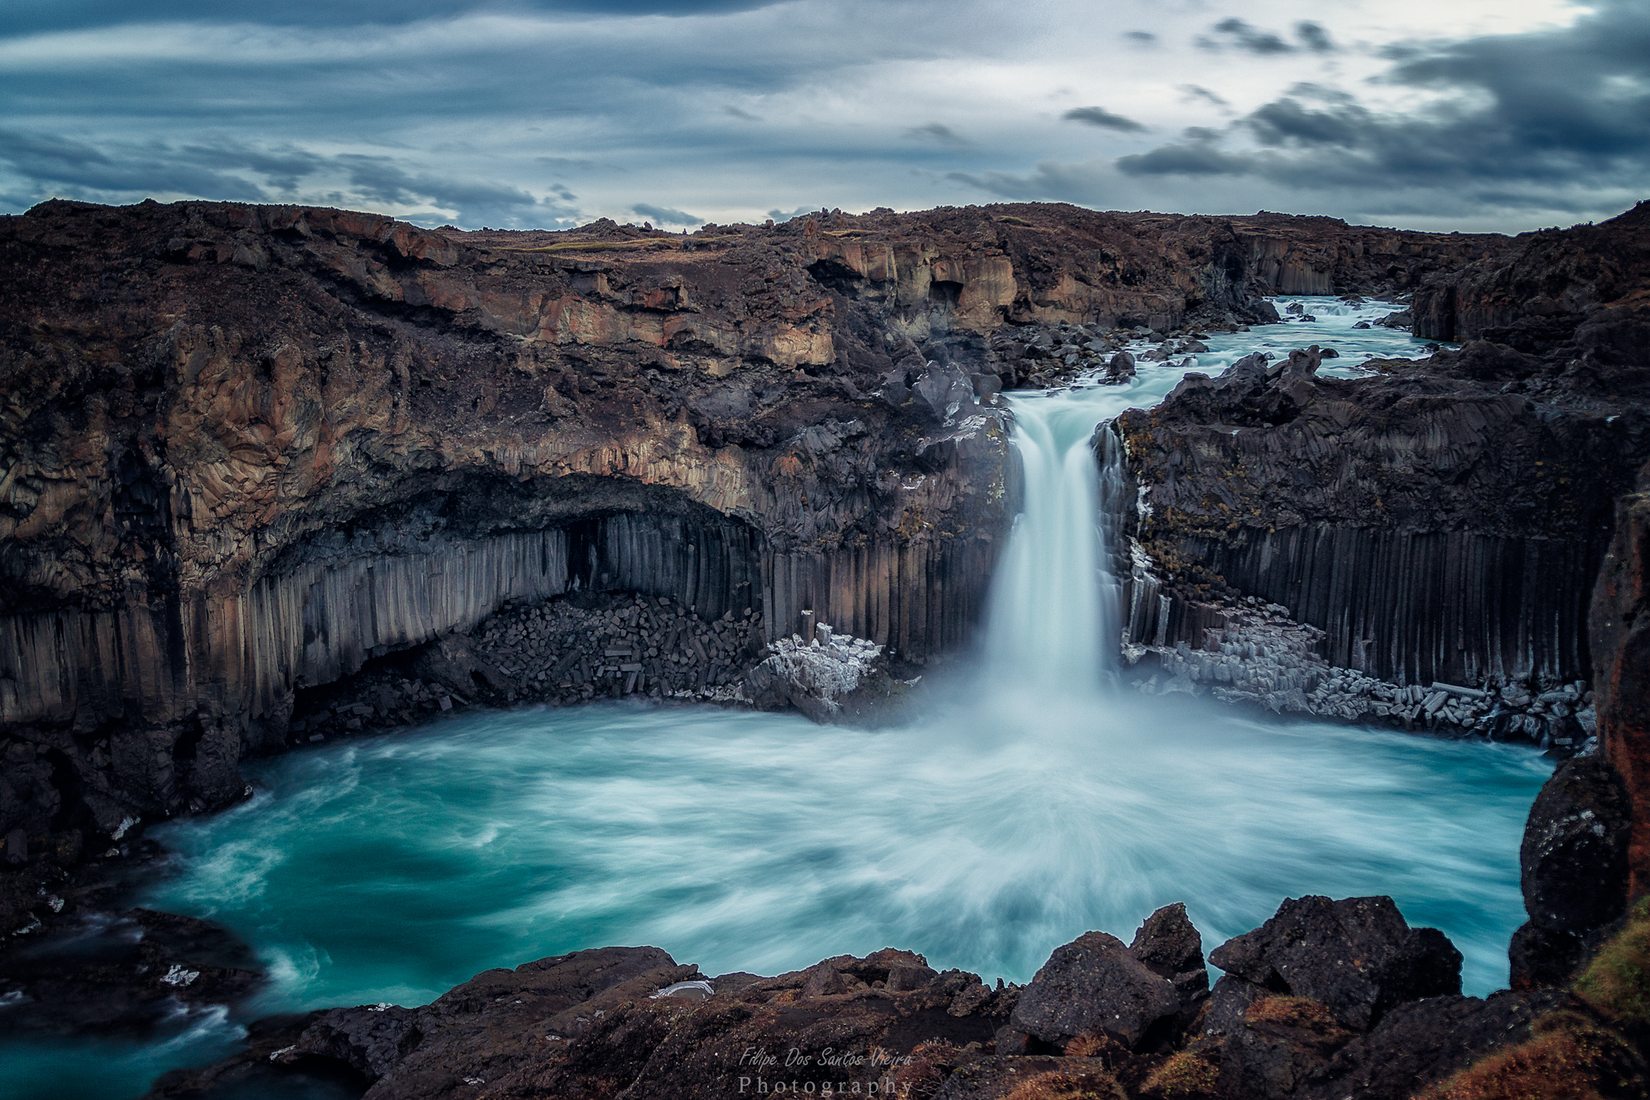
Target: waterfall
<point>1053,604</point>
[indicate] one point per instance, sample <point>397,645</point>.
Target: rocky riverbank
<point>1326,999</point>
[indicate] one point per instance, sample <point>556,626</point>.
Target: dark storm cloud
<point>787,215</point>
<point>1192,158</point>
<point>237,171</point>
<point>498,111</point>
<point>665,215</point>
<point>1239,34</point>
<point>1314,37</point>
<point>939,133</point>
<point>1106,120</point>
<point>34,15</point>
<point>1523,115</point>
<point>79,167</point>
<point>1199,92</point>
<point>381,180</point>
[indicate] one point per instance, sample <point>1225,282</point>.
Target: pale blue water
<point>1010,819</point>
<point>394,868</point>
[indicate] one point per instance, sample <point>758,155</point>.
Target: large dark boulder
<point>1574,865</point>
<point>1095,986</point>
<point>1574,855</point>
<point>1357,956</point>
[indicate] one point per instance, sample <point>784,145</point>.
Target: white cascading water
<point>1053,613</point>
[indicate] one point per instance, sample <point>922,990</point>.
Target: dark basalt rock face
<point>252,451</point>
<point>1439,525</point>
<point>1540,287</point>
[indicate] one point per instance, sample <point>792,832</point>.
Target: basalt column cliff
<point>250,451</point>
<point>1421,546</point>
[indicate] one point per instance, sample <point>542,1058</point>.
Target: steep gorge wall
<point>245,450</point>
<point>1441,522</point>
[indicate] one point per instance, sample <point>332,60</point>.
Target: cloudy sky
<point>1469,114</point>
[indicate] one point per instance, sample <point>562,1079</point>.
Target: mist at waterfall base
<point>1035,799</point>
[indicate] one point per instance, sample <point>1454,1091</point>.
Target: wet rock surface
<point>1574,864</point>
<point>127,973</point>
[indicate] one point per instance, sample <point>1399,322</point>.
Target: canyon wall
<point>244,451</point>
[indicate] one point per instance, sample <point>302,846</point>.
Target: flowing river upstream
<point>1034,800</point>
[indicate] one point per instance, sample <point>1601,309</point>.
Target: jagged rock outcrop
<point>1542,286</point>
<point>630,1021</point>
<point>1095,986</point>
<point>1357,957</point>
<point>246,452</point>
<point>1574,870</point>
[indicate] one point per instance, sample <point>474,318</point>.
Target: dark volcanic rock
<point>1574,861</point>
<point>1362,505</point>
<point>1435,527</point>
<point>1541,285</point>
<point>1541,957</point>
<point>223,450</point>
<point>1093,986</point>
<point>252,450</point>
<point>1418,1044</point>
<point>1170,946</point>
<point>127,974</point>
<point>1276,1045</point>
<point>1356,956</point>
<point>1096,1021</point>
<point>1574,854</point>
